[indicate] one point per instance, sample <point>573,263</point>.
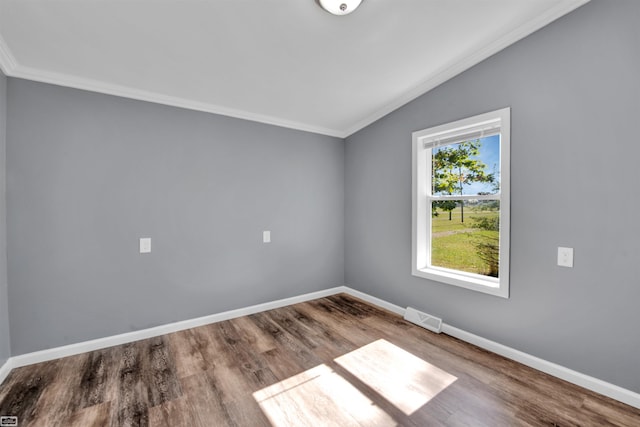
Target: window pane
<point>467,168</point>
<point>465,236</point>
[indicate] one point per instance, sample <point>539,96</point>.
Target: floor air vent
<point>425,320</point>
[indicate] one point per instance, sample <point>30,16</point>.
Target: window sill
<point>476,282</point>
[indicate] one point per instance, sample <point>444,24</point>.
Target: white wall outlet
<point>266,236</point>
<point>145,245</point>
<point>565,257</point>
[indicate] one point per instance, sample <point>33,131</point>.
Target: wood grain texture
<point>332,361</point>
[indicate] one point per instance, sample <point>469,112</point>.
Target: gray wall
<point>574,90</point>
<point>88,174</point>
<point>5,350</point>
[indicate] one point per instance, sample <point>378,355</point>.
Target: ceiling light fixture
<point>340,7</point>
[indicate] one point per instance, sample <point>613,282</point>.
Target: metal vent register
<point>427,321</point>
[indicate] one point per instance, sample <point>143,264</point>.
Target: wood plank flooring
<point>335,361</point>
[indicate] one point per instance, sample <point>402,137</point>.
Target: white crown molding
<point>469,61</point>
<point>594,384</point>
<point>91,85</point>
<point>12,68</point>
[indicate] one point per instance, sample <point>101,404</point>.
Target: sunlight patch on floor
<point>403,379</point>
<point>319,397</point>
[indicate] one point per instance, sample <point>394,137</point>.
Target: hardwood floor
<point>334,361</point>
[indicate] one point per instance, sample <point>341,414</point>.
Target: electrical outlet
<point>565,257</point>
<point>145,245</point>
<point>266,236</point>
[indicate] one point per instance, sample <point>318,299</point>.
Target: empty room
<point>319,213</point>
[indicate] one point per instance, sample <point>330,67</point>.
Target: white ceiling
<point>284,62</point>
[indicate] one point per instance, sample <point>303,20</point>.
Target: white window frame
<point>424,141</point>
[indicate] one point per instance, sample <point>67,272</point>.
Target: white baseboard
<point>607,389</point>
<point>602,387</point>
<point>100,343</point>
<point>590,383</point>
<point>373,300</point>
<point>6,369</point>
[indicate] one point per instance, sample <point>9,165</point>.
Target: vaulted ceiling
<point>284,62</point>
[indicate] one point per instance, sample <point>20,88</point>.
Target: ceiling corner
<point>7,61</point>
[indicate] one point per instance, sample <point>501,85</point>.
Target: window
<point>461,203</point>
